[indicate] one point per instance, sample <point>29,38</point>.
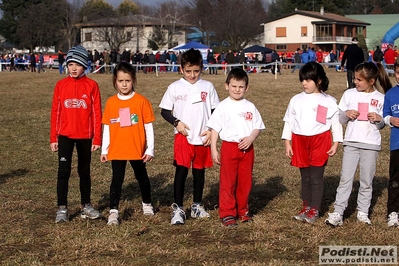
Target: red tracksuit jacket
<point>76,110</point>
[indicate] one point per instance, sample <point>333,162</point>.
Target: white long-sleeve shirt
<point>300,117</point>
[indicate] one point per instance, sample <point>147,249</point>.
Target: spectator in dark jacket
<point>378,55</point>
<point>353,55</point>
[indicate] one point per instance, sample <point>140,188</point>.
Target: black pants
<point>65,151</point>
<point>393,187</point>
<point>312,185</point>
<point>180,181</point>
<point>118,176</point>
<point>350,76</point>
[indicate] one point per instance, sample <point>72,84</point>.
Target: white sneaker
<point>89,212</point>
<point>363,217</point>
<point>178,215</point>
<point>334,219</point>
<point>113,218</point>
<point>148,209</point>
<point>62,215</point>
<point>197,211</point>
<point>393,219</point>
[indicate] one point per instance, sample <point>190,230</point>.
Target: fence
<point>256,68</point>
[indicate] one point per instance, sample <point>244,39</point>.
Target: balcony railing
<point>336,39</point>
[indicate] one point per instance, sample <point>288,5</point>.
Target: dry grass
<point>28,195</point>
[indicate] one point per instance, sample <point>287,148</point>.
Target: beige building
<point>302,29</point>
<point>133,33</point>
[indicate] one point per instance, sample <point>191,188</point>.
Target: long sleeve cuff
<point>149,133</point>
<point>106,140</point>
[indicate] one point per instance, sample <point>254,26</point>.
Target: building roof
<point>327,17</point>
<point>132,20</point>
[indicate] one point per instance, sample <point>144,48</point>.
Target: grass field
<point>29,235</point>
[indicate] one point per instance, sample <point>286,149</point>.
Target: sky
<point>145,2</point>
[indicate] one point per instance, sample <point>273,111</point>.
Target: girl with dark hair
<point>309,118</point>
<point>128,135</point>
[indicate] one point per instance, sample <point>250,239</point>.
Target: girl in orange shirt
<point>128,135</point>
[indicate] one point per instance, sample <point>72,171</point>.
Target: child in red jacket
<point>75,121</point>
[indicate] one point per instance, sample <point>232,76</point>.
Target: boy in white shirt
<point>187,105</point>
<point>239,123</point>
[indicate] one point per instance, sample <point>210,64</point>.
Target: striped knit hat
<point>78,54</point>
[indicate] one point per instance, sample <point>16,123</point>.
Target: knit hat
<point>78,54</point>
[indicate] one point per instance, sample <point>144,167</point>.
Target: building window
<point>172,44</point>
<point>129,35</point>
<point>281,47</point>
<point>281,32</point>
<point>304,46</point>
<point>304,31</point>
<point>323,30</point>
<point>88,36</point>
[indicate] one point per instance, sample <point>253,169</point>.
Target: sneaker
<point>113,218</point>
<point>312,215</point>
<point>302,214</point>
<point>148,209</point>
<point>62,215</point>
<point>246,218</point>
<point>334,219</point>
<point>178,215</point>
<point>229,221</point>
<point>363,217</point>
<point>393,219</point>
<point>198,211</point>
<point>89,212</point>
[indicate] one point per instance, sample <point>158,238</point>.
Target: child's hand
<point>206,137</point>
<point>245,143</point>
<point>182,128</point>
<point>147,158</point>
<point>95,147</point>
<point>394,121</point>
<point>352,114</point>
<point>333,150</point>
<point>215,157</point>
<point>374,117</point>
<point>103,158</point>
<point>288,149</point>
<point>54,146</point>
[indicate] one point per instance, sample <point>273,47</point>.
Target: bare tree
<point>238,21</point>
<point>70,18</point>
<point>167,24</point>
<point>116,31</point>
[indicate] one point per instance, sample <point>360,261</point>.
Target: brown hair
<point>369,71</point>
<point>126,68</point>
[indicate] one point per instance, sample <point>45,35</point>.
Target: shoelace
<point>304,207</point>
<point>312,212</point>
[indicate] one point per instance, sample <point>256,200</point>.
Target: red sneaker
<point>246,218</point>
<point>229,221</point>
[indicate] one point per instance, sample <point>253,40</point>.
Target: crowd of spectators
<point>105,60</point>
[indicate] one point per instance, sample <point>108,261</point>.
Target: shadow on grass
<point>265,192</point>
<point>161,191</point>
<point>15,173</point>
<point>330,189</point>
<point>261,194</point>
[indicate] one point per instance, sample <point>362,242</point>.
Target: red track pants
<point>235,179</point>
